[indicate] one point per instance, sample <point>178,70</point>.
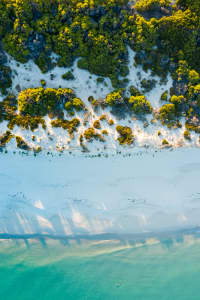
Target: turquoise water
<point>100,269</point>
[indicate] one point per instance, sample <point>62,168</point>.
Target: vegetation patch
<point>126,136</point>
<point>140,105</point>
<point>91,134</point>
<point>21,144</point>
<point>69,125</point>
<point>5,138</point>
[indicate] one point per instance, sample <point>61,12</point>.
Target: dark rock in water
<point>35,45</point>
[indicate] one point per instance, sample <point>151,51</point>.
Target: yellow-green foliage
<point>26,122</point>
<point>69,125</point>
<point>126,136</point>
<point>143,5</point>
<point>90,29</point>
<point>192,127</point>
<point>178,101</point>
<point>194,93</point>
<point>21,144</point>
<point>5,138</point>
<point>167,112</point>
<point>140,105</point>
<point>115,97</point>
<point>193,76</point>
<point>164,96</point>
<point>187,135</point>
<point>165,142</point>
<point>104,131</point>
<point>8,107</point>
<point>91,134</point>
<point>40,101</point>
<point>191,4</point>
<point>97,124</point>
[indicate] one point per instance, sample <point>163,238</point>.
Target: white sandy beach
<point>69,196</point>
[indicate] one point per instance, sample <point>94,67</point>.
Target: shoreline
<point>162,235</point>
<point>78,196</point>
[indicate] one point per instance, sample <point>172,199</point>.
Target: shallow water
<point>112,269</point>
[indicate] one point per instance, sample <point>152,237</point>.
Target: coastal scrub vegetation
<point>98,32</point>
<point>126,136</point>
<point>164,34</point>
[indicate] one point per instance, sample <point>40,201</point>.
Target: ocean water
<point>107,270</point>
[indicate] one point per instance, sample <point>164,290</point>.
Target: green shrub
<point>21,144</point>
<point>97,124</point>
<point>71,126</point>
<point>5,138</point>
<point>140,105</point>
<point>134,91</point>
<point>115,98</point>
<point>40,101</point>
<point>178,101</point>
<point>187,135</point>
<point>68,76</point>
<point>91,134</point>
<point>167,112</point>
<point>111,122</point>
<point>126,136</point>
<point>43,82</point>
<point>165,142</point>
<point>145,5</point>
<point>26,122</point>
<point>164,96</point>
<point>148,85</point>
<point>104,131</point>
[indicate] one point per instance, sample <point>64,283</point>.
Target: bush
<point>21,144</point>
<point>91,134</point>
<point>111,122</point>
<point>77,104</point>
<point>115,98</point>
<point>148,85</point>
<point>193,77</point>
<point>105,132</point>
<point>178,101</point>
<point>68,76</point>
<point>145,5</point>
<point>165,142</point>
<point>140,105</point>
<point>97,124</point>
<point>100,80</point>
<point>167,113</point>
<point>126,136</point>
<point>134,91</point>
<point>26,122</point>
<point>103,117</point>
<point>187,135</point>
<point>71,126</point>
<point>5,78</point>
<point>40,101</point>
<point>43,82</point>
<point>164,96</point>
<point>5,138</point>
